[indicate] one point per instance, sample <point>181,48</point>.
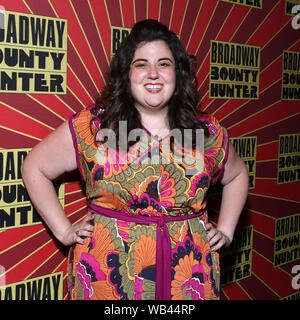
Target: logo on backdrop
<point>117,35</point>
<point>48,287</point>
<point>287,238</point>
<point>16,210</point>
<point>245,147</point>
<point>249,3</point>
<point>236,260</point>
<point>234,71</point>
<point>33,54</point>
<point>290,75</point>
<point>288,158</point>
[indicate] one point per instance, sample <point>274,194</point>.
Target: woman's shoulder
<point>216,144</point>
<point>212,124</point>
<point>86,115</point>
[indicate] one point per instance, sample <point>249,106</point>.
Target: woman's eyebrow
<point>140,59</point>
<point>169,59</point>
<point>145,60</point>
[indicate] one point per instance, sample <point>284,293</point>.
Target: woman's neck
<point>155,120</point>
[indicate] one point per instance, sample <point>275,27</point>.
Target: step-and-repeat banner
<point>54,55</point>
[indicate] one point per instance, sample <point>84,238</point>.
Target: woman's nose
<point>153,72</point>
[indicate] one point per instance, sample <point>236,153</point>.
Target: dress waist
<point>163,243</point>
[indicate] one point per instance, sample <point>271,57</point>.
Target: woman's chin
<point>155,105</point>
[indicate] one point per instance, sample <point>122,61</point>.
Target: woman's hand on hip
<point>78,232</point>
<point>216,238</point>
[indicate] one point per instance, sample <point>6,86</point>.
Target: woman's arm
<point>235,182</point>
<point>45,162</point>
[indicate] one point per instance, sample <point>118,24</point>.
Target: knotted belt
<point>163,243</point>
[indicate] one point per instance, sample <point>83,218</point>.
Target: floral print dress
<point>120,261</point>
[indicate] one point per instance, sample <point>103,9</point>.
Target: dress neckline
<point>155,137</point>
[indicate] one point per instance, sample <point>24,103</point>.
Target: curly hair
<point>117,100</point>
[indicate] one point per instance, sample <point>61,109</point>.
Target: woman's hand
<point>78,232</point>
<point>216,238</point>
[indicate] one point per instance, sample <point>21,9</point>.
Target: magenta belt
<point>163,243</point>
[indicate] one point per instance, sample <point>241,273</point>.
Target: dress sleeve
<point>83,136</point>
<point>216,147</point>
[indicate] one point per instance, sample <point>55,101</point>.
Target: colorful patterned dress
<point>149,239</point>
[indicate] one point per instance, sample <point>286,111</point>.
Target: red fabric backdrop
<point>262,263</point>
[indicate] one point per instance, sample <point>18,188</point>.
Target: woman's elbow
<point>29,167</point>
<point>26,168</point>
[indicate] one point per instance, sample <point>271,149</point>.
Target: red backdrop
<point>248,73</point>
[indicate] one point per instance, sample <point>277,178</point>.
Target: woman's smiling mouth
<point>153,87</point>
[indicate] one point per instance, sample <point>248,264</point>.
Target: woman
<point>146,235</point>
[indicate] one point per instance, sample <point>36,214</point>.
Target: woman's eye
<point>140,65</point>
<point>165,64</point>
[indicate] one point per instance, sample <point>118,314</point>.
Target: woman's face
<point>152,76</point>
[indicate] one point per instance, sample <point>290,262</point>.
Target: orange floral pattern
<point>119,261</point>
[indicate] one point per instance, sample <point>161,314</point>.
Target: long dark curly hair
<point>117,100</point>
